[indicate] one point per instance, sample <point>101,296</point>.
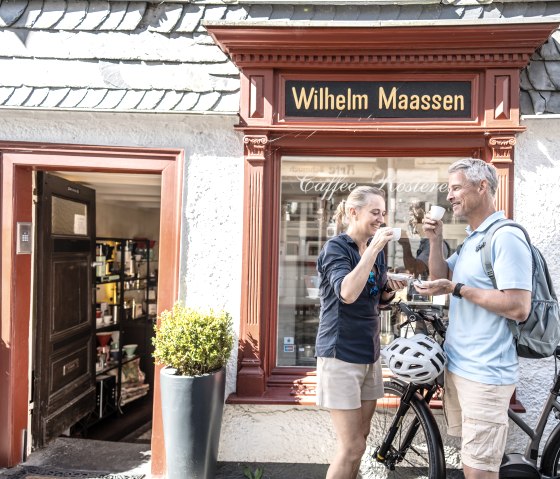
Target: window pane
<point>68,217</point>
<point>311,188</point>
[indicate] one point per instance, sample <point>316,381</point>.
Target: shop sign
<point>326,179</point>
<point>370,100</point>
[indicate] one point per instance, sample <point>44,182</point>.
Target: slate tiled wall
<point>143,56</point>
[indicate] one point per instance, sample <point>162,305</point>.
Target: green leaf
<point>193,341</point>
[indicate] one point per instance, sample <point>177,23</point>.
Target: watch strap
<point>457,290</point>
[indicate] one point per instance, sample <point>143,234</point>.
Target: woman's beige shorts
<point>477,413</point>
<point>342,385</point>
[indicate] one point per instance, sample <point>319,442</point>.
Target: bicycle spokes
<point>405,437</point>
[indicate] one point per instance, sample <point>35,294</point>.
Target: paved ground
<point>70,454</point>
<point>306,471</point>
<point>80,455</point>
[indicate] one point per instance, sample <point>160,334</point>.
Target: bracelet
<point>387,289</point>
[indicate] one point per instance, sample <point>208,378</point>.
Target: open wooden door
<point>64,355</point>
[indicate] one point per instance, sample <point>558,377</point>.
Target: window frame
<point>269,383</point>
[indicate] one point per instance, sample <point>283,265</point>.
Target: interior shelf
<point>126,285</point>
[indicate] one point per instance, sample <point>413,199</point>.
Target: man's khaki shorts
<point>342,385</point>
<point>478,413</point>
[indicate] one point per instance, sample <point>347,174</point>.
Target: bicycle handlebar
<point>415,315</point>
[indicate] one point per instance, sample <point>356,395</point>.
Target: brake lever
<point>410,314</point>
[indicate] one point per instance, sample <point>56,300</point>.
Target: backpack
<point>539,335</point>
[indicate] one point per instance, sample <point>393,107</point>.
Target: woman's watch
<point>457,290</point>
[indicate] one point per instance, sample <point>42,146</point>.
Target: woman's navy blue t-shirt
<point>349,332</point>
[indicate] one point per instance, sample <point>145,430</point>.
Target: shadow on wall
<point>247,351</point>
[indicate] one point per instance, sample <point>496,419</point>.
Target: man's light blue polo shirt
<point>479,343</point>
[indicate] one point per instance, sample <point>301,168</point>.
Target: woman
<point>353,282</point>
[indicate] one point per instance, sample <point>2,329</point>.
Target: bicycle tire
<point>425,458</point>
<point>550,463</point>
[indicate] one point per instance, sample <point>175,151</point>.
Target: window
<point>311,188</point>
<point>68,217</point>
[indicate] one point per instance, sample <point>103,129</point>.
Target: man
<point>482,364</point>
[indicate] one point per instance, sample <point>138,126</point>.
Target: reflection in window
<point>311,188</point>
<point>68,217</point>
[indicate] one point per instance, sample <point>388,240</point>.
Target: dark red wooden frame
<point>491,56</point>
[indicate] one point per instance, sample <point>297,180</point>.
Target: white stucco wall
<point>537,206</point>
<point>212,242</point>
<point>213,187</point>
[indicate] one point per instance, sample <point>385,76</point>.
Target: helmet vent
<point>417,359</point>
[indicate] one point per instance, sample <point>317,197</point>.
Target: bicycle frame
<point>383,454</point>
<point>535,436</point>
<point>386,453</point>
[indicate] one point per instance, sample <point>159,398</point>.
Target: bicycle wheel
<point>550,462</point>
<point>423,458</point>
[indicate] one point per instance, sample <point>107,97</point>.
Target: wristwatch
<point>457,290</point>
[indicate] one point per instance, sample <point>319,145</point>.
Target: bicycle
<point>413,440</point>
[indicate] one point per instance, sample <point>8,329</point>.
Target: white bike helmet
<point>418,359</point>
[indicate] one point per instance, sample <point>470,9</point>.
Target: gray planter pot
<point>192,410</point>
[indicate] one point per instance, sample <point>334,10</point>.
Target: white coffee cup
<point>437,212</point>
<point>396,234</point>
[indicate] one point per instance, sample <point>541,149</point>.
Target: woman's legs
<point>351,427</point>
<point>368,409</point>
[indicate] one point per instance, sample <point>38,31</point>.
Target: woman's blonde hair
<point>358,198</point>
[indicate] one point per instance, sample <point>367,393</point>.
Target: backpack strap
<point>487,240</point>
<point>486,255</point>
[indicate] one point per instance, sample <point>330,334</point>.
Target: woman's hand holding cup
<point>381,238</point>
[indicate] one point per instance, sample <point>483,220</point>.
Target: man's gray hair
<point>476,170</point>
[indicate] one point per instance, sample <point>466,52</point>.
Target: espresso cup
<point>396,234</point>
<point>437,212</point>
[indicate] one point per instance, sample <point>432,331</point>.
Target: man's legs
<point>472,473</point>
<point>483,408</point>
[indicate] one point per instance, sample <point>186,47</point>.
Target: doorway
<point>18,163</point>
<point>117,305</point>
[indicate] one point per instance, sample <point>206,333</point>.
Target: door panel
<point>69,367</point>
<point>64,356</point>
<point>70,302</point>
